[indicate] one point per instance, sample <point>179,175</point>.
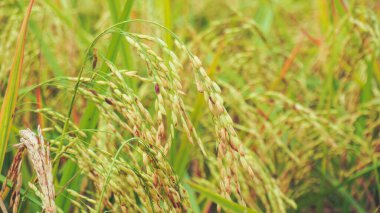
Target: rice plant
<point>189,106</point>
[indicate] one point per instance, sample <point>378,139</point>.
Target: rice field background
<point>190,106</point>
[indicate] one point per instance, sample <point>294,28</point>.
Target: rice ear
<point>40,158</point>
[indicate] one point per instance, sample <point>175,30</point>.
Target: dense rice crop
<point>190,106</point>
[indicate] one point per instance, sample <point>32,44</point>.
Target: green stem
<point>109,174</point>
<point>10,98</point>
<point>90,117</point>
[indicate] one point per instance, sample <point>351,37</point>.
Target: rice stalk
<point>14,176</point>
